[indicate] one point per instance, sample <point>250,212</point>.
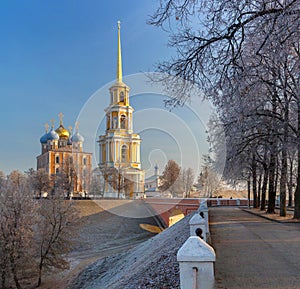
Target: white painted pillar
<point>138,152</point>
<point>107,151</point>
<point>197,222</point>
<point>204,209</point>
<point>100,153</point>
<point>196,264</point>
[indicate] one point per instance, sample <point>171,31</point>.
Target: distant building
<point>63,158</point>
<point>152,183</point>
<point>119,147</point>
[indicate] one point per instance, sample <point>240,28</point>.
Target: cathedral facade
<point>119,147</point>
<point>63,158</point>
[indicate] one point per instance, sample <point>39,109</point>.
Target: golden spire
<point>119,60</point>
<point>70,129</point>
<point>60,115</point>
<point>77,126</point>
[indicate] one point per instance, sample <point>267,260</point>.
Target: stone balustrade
<point>196,257</point>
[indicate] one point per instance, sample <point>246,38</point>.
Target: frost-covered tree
<point>170,178</point>
<point>245,56</point>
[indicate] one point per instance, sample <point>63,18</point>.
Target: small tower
<point>62,132</point>
<point>44,139</point>
<point>156,174</point>
<point>52,137</point>
<point>77,139</point>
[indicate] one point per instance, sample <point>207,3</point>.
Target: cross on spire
<point>46,127</point>
<point>52,122</point>
<point>60,115</point>
<point>76,126</point>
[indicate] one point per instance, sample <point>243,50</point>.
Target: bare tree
<point>34,234</point>
<point>2,180</point>
<point>39,181</point>
<point>245,55</point>
<point>16,222</point>
<point>188,178</point>
<point>97,183</point>
<point>57,225</point>
<point>169,178</point>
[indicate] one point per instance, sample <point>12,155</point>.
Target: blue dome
<point>52,135</point>
<point>77,137</point>
<point>44,138</point>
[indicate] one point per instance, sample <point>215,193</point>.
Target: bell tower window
<point>115,122</point>
<point>122,96</point>
<point>123,121</point>
<point>124,153</point>
<point>57,159</point>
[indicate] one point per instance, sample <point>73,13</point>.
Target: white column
<point>138,152</point>
<point>129,121</point>
<point>204,209</point>
<point>117,155</point>
<point>197,222</point>
<point>100,153</point>
<point>196,264</point>
<point>113,151</point>
<point>107,151</point>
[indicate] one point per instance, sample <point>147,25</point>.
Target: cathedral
<point>63,158</point>
<point>119,147</point>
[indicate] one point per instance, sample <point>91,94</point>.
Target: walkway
<point>253,252</point>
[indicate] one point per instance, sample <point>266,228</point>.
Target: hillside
<point>151,264</point>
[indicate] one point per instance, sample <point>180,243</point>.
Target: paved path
<point>254,253</point>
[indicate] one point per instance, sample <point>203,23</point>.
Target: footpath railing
<point>196,257</point>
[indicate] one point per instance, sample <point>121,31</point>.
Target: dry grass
<point>275,217</point>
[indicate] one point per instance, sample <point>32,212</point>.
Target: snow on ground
<point>151,264</point>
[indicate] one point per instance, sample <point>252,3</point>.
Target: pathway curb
<point>290,221</point>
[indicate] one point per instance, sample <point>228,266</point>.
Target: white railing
<point>196,257</point>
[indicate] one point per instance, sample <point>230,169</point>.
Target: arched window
<point>115,122</point>
<point>57,170</point>
<point>123,121</point>
<point>84,161</point>
<point>122,96</point>
<point>124,153</point>
<point>57,159</point>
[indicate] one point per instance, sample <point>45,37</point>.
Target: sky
<point>56,55</point>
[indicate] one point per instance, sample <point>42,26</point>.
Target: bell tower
<point>119,147</point>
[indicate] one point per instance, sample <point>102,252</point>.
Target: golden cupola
<point>61,131</point>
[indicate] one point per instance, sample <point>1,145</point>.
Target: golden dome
<point>62,132</point>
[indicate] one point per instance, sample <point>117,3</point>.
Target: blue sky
<point>55,54</point>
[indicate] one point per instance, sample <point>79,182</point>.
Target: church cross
<point>46,127</point>
<point>60,115</point>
